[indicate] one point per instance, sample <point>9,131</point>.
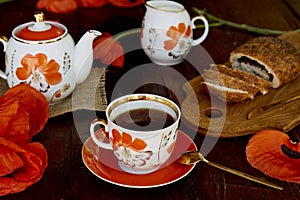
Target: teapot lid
<point>40,30</point>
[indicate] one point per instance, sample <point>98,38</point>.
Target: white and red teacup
<point>142,131</point>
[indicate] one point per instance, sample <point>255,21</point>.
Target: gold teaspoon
<point>192,157</point>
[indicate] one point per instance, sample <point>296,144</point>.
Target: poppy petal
<point>43,3</point>
<point>14,121</point>
<point>39,150</point>
<point>6,183</point>
<point>34,157</point>
<point>34,102</point>
<point>31,168</point>
<point>57,6</point>
<point>9,161</point>
<point>108,50</point>
<point>271,152</point>
<point>99,44</point>
<point>18,127</point>
<point>115,56</point>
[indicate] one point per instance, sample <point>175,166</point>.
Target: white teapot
<point>43,55</point>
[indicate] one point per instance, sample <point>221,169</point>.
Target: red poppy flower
<point>57,6</point>
<point>125,140</point>
<point>108,50</point>
<point>176,33</point>
<point>23,112</point>
<point>20,166</point>
<point>126,3</point>
<point>273,153</point>
<point>14,121</point>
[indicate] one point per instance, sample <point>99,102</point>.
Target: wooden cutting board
<point>210,116</point>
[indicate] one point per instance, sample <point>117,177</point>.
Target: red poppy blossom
<point>14,121</point>
<point>22,166</point>
<point>108,50</point>
<point>23,112</point>
<point>274,154</point>
<point>57,6</point>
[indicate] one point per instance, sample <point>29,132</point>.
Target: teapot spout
<point>83,55</point>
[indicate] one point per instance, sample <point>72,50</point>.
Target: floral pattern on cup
<point>179,42</point>
<point>129,152</point>
<point>37,71</point>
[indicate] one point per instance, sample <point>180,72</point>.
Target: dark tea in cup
<point>144,119</point>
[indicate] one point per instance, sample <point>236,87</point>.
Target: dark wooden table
<point>67,177</point>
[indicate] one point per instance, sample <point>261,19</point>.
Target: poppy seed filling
<point>251,66</point>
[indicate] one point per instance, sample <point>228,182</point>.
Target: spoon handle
<point>244,175</point>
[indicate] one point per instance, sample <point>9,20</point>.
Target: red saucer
<point>103,164</point>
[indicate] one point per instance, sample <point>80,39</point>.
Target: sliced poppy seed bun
<point>221,79</point>
<point>227,94</point>
<point>251,79</point>
<point>270,58</point>
<point>222,85</point>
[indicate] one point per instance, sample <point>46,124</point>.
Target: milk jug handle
<point>4,41</point>
<point>205,32</point>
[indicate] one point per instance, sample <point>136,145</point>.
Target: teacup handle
<point>93,135</point>
<point>206,28</point>
<point>4,41</point>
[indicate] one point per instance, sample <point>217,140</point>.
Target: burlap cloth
<point>89,95</point>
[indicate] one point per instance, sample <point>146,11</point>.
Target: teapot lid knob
<point>39,24</point>
<point>39,16</point>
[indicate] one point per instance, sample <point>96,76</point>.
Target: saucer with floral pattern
<point>103,164</point>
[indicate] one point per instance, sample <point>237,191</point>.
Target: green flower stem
<point>4,1</point>
<point>245,27</point>
<point>211,25</point>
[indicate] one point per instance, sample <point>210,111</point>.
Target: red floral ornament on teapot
<point>38,72</point>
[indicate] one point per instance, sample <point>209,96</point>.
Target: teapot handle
<point>4,41</point>
<point>206,28</point>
